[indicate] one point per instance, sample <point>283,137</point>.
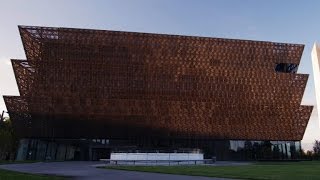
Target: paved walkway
<point>87,170</point>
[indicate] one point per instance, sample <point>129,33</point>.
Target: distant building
<point>86,93</point>
<point>316,72</point>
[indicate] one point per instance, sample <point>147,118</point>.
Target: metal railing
<point>158,162</point>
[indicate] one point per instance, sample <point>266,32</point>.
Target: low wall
<point>156,156</point>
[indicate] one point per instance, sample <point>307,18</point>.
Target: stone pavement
<point>83,170</point>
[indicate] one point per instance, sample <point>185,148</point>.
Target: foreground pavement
<point>83,170</point>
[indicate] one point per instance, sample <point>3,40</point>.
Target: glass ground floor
<point>95,149</point>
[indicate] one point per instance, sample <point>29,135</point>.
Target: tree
<point>309,155</point>
<point>8,141</point>
<point>277,154</point>
<point>248,148</point>
<point>316,149</point>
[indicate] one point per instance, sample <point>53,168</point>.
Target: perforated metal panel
<point>81,83</point>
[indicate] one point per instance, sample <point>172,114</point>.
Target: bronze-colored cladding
<point>127,81</point>
<point>81,83</point>
<point>182,122</point>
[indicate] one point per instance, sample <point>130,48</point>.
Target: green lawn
<point>11,175</point>
<point>276,170</point>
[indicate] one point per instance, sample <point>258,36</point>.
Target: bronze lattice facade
<point>141,87</point>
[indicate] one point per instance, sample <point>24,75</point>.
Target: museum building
<point>87,93</point>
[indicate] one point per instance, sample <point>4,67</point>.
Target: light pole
<point>2,114</point>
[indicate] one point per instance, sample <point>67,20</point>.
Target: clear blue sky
<point>290,21</point>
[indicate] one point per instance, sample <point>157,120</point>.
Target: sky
<point>290,21</point>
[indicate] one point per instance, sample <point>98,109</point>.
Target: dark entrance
<point>100,153</point>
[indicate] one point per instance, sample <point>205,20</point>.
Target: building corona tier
<point>86,93</point>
